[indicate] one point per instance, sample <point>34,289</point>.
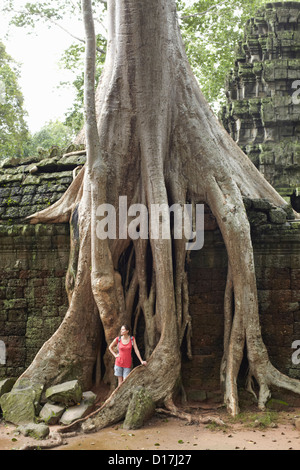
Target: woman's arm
<point>113,344</point>
<point>137,352</point>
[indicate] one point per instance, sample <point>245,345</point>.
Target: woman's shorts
<point>122,371</point>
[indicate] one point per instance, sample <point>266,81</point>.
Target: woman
<point>123,361</point>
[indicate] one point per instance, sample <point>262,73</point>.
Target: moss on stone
<point>140,409</point>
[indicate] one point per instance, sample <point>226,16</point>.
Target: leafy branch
<point>31,11</point>
<point>201,13</point>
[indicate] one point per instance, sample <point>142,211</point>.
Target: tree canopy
<point>210,29</point>
<point>13,127</point>
<point>52,133</point>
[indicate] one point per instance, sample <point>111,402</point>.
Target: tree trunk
<point>154,139</point>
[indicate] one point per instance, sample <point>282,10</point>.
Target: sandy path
<point>169,433</point>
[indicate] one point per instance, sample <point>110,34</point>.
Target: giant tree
<point>151,136</point>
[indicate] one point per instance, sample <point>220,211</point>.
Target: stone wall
<point>276,251</point>
<point>33,300</point>
<point>262,112</point>
<point>33,259</point>
<point>35,183</point>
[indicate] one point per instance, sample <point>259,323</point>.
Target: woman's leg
<point>119,374</point>
<point>120,380</point>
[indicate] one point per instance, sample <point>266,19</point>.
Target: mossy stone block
<point>68,393</point>
<point>140,409</point>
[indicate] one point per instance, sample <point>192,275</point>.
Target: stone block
<point>79,411</point>
<point>140,409</point>
<point>261,205</point>
<point>68,393</point>
<point>297,423</point>
<point>51,413</point>
<point>277,216</point>
<point>257,218</point>
<point>19,405</point>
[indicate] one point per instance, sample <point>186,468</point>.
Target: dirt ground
<point>251,430</point>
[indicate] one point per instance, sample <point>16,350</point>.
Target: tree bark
<point>153,138</point>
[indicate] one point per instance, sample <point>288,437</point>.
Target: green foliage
<point>211,31</point>
<point>54,133</point>
<point>13,128</point>
<point>31,13</point>
<point>73,60</point>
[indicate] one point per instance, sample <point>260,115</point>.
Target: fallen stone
<point>140,409</point>
<point>68,393</point>
<point>6,385</point>
<point>18,406</point>
<point>289,212</point>
<point>51,413</point>
<point>296,422</point>
<point>36,430</point>
<point>79,411</point>
<point>25,384</point>
<point>89,397</point>
<point>10,162</point>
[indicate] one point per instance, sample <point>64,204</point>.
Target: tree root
<point>54,440</point>
<point>60,211</point>
<point>191,419</point>
<point>172,410</point>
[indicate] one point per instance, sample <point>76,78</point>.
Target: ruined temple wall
<point>33,298</point>
<point>277,262</point>
<point>262,111</point>
<point>33,258</point>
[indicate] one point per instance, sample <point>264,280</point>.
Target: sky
<point>38,54</point>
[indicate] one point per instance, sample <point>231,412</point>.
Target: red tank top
<point>124,359</point>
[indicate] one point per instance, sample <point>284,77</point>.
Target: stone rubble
<point>65,403</point>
